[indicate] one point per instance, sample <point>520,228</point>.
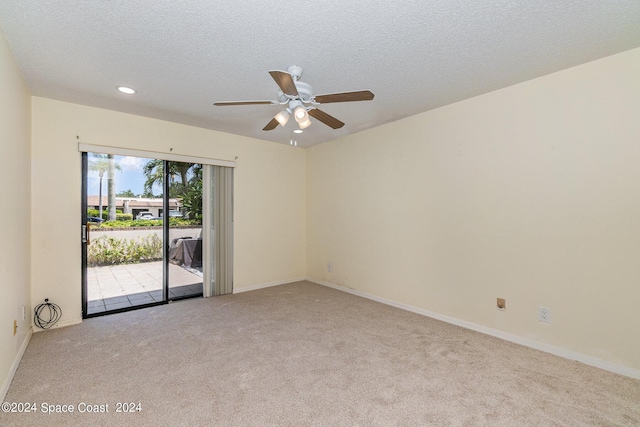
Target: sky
<point>129,177</point>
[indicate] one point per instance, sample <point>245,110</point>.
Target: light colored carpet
<point>303,354</point>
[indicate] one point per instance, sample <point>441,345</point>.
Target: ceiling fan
<point>298,99</point>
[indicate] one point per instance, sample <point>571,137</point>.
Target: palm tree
<point>105,163</point>
<point>187,189</point>
<point>154,170</point>
<point>99,165</point>
<point>192,198</point>
<point>111,186</point>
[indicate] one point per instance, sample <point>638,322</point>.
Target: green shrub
<point>125,223</point>
<point>192,200</point>
<point>105,214</point>
<point>173,222</point>
<point>132,223</point>
<point>106,250</point>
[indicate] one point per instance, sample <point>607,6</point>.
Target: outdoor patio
<point>127,285</point>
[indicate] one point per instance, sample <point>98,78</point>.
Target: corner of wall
<point>15,163</point>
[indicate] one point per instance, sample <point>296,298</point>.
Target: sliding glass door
<point>142,232</point>
<point>185,231</point>
<point>123,233</point>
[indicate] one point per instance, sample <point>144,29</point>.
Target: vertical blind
<point>223,229</point>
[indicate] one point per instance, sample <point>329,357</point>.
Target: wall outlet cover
<point>544,315</point>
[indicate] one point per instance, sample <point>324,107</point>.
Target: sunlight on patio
<point>126,285</point>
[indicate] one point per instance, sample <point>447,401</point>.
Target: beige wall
<point>530,193</point>
<point>269,204</point>
<point>15,117</point>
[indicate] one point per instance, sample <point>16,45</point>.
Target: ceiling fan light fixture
<point>283,117</point>
<point>305,124</point>
<point>298,131</point>
<point>301,114</point>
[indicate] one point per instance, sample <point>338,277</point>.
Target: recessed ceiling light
<point>298,131</point>
<point>126,90</point>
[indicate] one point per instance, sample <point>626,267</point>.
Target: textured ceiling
<point>183,55</point>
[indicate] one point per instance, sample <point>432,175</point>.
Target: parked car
<point>94,219</point>
<point>175,214</point>
<point>145,215</point>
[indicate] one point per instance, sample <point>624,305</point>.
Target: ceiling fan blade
<point>227,103</point>
<point>285,82</point>
<point>361,95</point>
<point>325,118</point>
<point>271,125</point>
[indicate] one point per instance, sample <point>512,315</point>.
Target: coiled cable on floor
<point>47,314</point>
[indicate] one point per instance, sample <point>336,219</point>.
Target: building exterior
<point>135,205</point>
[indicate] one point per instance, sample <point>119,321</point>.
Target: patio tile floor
<point>128,285</point>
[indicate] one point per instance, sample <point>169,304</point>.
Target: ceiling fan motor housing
<point>304,93</point>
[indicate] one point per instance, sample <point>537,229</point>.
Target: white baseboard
<point>266,285</point>
<point>62,324</point>
<point>547,348</point>
<point>15,364</point>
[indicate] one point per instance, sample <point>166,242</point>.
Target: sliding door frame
<point>165,231</point>
<point>208,221</point>
<point>84,232</point>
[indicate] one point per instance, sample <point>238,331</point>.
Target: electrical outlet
<point>501,303</point>
<point>544,315</point>
<point>24,313</point>
<point>329,267</point>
